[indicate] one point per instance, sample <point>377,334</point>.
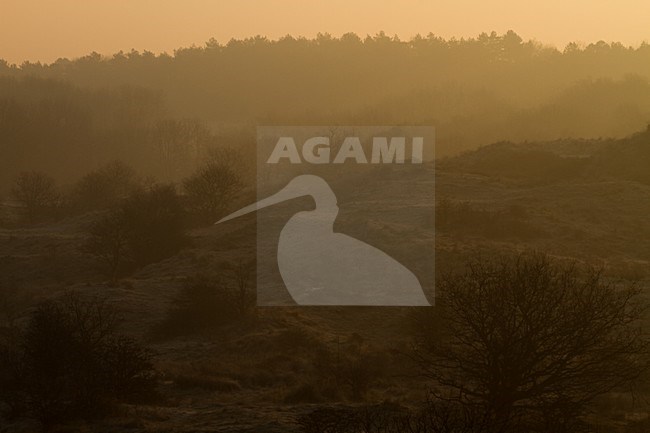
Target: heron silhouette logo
<point>321,267</point>
<point>368,238</point>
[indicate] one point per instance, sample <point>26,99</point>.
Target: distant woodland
<point>161,113</point>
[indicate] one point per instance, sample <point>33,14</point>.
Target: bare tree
<point>528,339</point>
<point>70,362</point>
<point>37,192</point>
<point>210,190</point>
<point>108,241</point>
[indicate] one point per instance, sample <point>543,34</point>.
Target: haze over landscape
<point>128,128</point>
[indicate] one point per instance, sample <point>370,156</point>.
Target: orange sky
<point>48,29</point>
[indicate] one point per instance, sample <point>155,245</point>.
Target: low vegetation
<point>69,362</point>
<point>465,217</point>
<point>207,302</point>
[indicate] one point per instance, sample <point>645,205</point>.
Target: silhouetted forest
<point>149,110</point>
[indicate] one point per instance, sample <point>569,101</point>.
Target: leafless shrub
<point>69,362</point>
<point>37,193</point>
<point>529,339</point>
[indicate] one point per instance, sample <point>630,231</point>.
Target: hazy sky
<point>48,29</point>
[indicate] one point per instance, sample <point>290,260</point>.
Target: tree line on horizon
<point>161,113</point>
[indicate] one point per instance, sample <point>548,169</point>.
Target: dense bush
<point>206,302</point>
<point>69,362</point>
<point>105,187</point>
<point>210,190</point>
<point>144,229</point>
<point>155,224</point>
<point>37,193</point>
